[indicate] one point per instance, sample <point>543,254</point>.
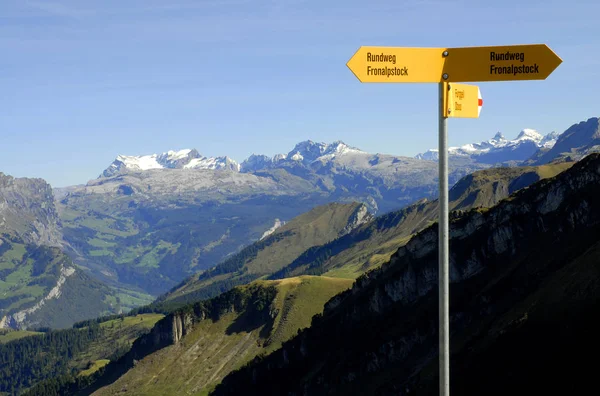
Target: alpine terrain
<point>150,221</point>
<point>39,285</point>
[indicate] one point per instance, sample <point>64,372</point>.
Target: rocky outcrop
<point>27,210</point>
<point>360,216</point>
<point>387,323</point>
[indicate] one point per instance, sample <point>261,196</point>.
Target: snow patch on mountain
<point>278,223</point>
<point>177,155</point>
<point>549,140</point>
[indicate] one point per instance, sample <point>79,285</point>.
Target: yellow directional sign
<point>397,65</point>
<point>434,65</point>
<point>500,63</point>
<point>462,101</point>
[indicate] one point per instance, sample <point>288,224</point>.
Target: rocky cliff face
<point>27,210</point>
<point>358,218</point>
<point>380,337</point>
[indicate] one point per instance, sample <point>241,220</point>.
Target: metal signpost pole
<point>444,327</point>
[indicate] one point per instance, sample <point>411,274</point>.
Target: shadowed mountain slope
<point>525,287</point>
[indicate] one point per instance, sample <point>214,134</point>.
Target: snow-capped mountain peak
<point>177,155</point>
<point>305,152</point>
<point>181,159</point>
<point>549,140</point>
<point>498,137</point>
<point>530,134</point>
<point>311,151</point>
<point>499,149</point>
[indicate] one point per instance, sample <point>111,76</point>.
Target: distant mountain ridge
<point>499,149</point>
<point>308,153</point>
<point>182,159</point>
<point>304,152</point>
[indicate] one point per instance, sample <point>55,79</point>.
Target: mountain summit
<point>305,153</point>
<point>499,149</point>
<point>182,159</point>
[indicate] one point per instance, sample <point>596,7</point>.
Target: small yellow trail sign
<point>462,101</point>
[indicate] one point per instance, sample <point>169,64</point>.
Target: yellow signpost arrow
<point>397,65</point>
<point>500,63</point>
<point>462,101</point>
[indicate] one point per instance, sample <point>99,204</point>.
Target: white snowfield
<point>181,159</point>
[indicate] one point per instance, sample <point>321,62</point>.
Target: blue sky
<point>83,81</point>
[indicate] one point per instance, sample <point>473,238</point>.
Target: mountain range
<point>304,153</point>
<point>499,149</point>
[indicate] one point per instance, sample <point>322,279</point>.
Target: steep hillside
<point>320,225</point>
<point>372,244</point>
<point>40,287</point>
<point>189,351</point>
<point>577,141</point>
<point>366,247</point>
<point>520,272</point>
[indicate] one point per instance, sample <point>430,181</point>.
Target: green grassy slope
<point>7,335</point>
<point>214,348</point>
<point>320,225</point>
